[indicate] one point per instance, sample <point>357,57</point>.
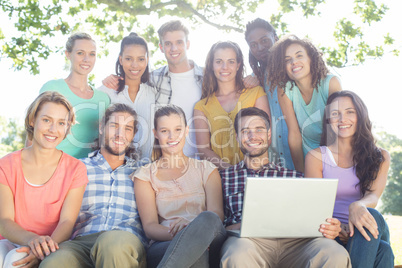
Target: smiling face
<point>174,45</point>
<point>225,65</point>
<point>82,56</point>
<point>343,117</point>
<point>134,60</point>
<point>260,41</point>
<point>50,125</point>
<point>171,134</point>
<point>254,136</point>
<point>117,134</point>
<point>297,62</point>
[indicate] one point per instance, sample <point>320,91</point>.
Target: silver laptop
<point>286,207</point>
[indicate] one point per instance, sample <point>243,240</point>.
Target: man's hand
<point>332,229</point>
<point>29,261</point>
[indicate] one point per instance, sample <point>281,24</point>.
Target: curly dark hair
<point>367,157</point>
<point>276,68</point>
<point>210,83</point>
<point>257,65</point>
<point>131,39</point>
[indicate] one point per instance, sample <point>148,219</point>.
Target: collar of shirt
<point>98,159</point>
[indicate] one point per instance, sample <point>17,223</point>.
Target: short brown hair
<point>171,26</point>
<point>36,105</point>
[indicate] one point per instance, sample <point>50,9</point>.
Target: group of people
<point>164,157</point>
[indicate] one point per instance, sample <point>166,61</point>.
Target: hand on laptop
<point>360,217</point>
<point>332,229</point>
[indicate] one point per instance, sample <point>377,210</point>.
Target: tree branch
<point>142,10</point>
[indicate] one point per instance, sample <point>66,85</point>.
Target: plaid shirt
<point>109,202</point>
<point>233,183</point>
<point>161,80</point>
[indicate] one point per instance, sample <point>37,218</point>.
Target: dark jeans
<point>189,248</point>
<point>373,253</point>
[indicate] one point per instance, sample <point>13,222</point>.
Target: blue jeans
<point>189,247</point>
<point>373,253</point>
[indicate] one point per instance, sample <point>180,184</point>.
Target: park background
<point>375,79</point>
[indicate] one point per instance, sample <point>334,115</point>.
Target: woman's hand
<point>360,217</point>
<point>29,261</point>
<point>177,226</point>
<point>112,81</point>
<point>332,229</point>
<point>42,245</point>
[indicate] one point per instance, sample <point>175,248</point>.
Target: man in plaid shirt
<point>253,134</point>
<point>108,231</point>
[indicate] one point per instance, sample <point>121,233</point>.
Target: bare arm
<point>334,85</point>
<point>294,138</point>
<point>203,137</point>
<point>359,216</point>
<point>213,191</point>
<point>146,203</point>
<point>69,214</point>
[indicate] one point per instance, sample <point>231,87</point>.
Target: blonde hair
<point>77,36</point>
<point>36,105</point>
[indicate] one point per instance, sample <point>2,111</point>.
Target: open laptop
<point>286,207</point>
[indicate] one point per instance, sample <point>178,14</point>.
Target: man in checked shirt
<point>108,231</point>
<point>253,134</point>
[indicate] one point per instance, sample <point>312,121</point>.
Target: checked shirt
<point>109,202</point>
<point>233,183</point>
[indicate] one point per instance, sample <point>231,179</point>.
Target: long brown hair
<point>367,157</point>
<point>165,111</point>
<point>210,82</point>
<point>276,68</point>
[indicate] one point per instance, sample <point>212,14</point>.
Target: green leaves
<point>37,24</point>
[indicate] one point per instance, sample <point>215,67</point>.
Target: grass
<point>395,228</point>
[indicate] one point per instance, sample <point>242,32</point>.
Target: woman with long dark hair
<point>132,69</point>
<point>297,68</point>
<point>348,152</point>
<point>223,95</point>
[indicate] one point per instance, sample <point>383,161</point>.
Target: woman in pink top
<point>179,199</point>
<point>348,152</point>
<point>41,188</point>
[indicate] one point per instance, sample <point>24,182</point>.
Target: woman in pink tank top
<point>348,152</point>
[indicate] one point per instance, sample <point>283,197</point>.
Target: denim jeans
<point>189,247</point>
<point>373,253</point>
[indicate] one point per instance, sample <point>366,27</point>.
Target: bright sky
<point>374,81</point>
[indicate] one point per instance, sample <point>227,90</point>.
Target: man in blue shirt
<point>108,231</point>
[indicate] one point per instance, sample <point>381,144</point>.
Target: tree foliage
<point>38,21</point>
<point>392,197</point>
<point>12,136</point>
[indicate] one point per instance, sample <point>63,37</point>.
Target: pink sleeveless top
<point>348,189</point>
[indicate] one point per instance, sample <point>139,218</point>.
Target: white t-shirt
<point>185,94</point>
<point>144,105</point>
